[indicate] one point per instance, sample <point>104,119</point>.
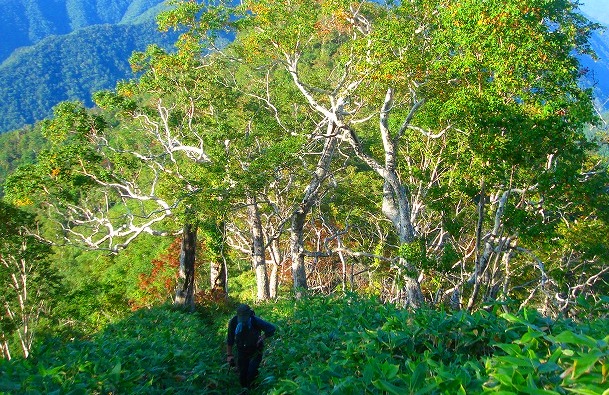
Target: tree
<point>27,281</point>
<point>468,115</point>
<point>495,77</point>
<point>105,185</point>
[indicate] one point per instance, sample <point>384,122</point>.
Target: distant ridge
<point>69,67</point>
<point>67,50</point>
<point>598,71</point>
<point>597,76</point>
<point>596,10</point>
<point>26,22</point>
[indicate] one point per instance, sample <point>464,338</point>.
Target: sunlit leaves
<point>359,346</point>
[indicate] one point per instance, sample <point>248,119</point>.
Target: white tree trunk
<point>26,313</point>
<point>277,260</point>
<point>258,250</point>
<point>6,353</point>
<point>311,195</point>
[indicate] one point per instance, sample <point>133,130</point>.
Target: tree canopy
<point>437,146</point>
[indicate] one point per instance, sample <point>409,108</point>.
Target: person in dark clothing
<point>248,332</point>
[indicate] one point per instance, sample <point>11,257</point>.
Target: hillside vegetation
<point>26,22</point>
<point>338,345</point>
<point>66,50</point>
<point>69,67</point>
<point>414,193</point>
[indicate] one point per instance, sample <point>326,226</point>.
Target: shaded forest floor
<point>329,345</point>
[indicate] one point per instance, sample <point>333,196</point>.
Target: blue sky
<point>597,10</point>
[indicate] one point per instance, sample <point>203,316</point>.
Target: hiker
<point>248,332</point>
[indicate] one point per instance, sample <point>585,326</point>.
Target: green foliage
<point>57,168</point>
<point>28,282</point>
<point>156,351</point>
<point>101,288</point>
<point>500,83</point>
<point>70,67</point>
<point>94,296</point>
<point>132,266</point>
<point>340,345</point>
<point>19,148</point>
<point>358,346</point>
<point>550,357</point>
<point>242,283</point>
<point>354,346</point>
<point>157,276</point>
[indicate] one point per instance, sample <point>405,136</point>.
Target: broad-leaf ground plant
<point>327,345</point>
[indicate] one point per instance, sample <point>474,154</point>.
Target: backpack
<point>247,339</point>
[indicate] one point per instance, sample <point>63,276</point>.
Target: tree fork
<point>311,194</point>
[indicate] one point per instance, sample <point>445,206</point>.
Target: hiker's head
<point>244,312</point>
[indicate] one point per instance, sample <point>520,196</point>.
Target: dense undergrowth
<point>326,345</point>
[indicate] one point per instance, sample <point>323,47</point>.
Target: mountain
<point>26,22</point>
<point>597,76</point>
<point>56,50</point>
<point>69,67</point>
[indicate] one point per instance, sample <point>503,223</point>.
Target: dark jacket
<point>258,326</point>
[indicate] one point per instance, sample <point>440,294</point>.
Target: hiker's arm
<point>230,335</point>
<point>267,328</point>
<point>230,358</point>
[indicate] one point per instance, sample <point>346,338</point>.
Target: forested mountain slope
<point>65,50</point>
<point>26,22</point>
<point>69,67</point>
<point>414,194</point>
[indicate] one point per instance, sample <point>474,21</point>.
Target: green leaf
<point>529,336</point>
<point>418,376</point>
<point>387,386</point>
<point>522,361</point>
<point>511,349</point>
<point>548,367</point>
<point>583,364</point>
<point>117,369</point>
<point>503,379</point>
<point>389,370</point>
<point>50,372</point>
<point>555,355</point>
<point>512,318</point>
<point>537,391</point>
<point>574,338</point>
<point>568,352</point>
<point>588,391</point>
<point>8,385</point>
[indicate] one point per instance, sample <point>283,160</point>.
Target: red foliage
<point>160,283</point>
<point>212,297</point>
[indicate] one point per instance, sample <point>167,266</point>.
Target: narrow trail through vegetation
<point>326,345</point>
